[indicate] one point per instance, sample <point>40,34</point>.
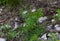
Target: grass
<point>12,3</point>
<point>32,30</point>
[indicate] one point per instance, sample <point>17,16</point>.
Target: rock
<point>15,25</point>
<point>55,2</point>
<point>41,19</point>
<point>57,27</point>
<point>49,34</point>
<point>45,36</point>
<point>33,10</point>
<point>53,20</point>
<point>2,39</point>
<point>1,9</point>
<point>16,18</point>
<point>49,27</point>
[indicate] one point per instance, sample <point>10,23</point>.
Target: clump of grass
<point>32,31</point>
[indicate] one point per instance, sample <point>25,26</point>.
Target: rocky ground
<point>12,18</point>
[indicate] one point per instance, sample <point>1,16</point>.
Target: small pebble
<point>41,19</point>
<point>15,25</point>
<point>55,2</point>
<point>53,20</point>
<point>11,19</point>
<point>1,9</point>
<point>57,28</point>
<point>16,18</point>
<point>56,25</point>
<point>33,10</point>
<point>44,37</point>
<point>49,27</point>
<point>49,34</point>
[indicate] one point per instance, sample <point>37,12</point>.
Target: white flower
<point>2,39</point>
<point>33,10</point>
<point>25,12</point>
